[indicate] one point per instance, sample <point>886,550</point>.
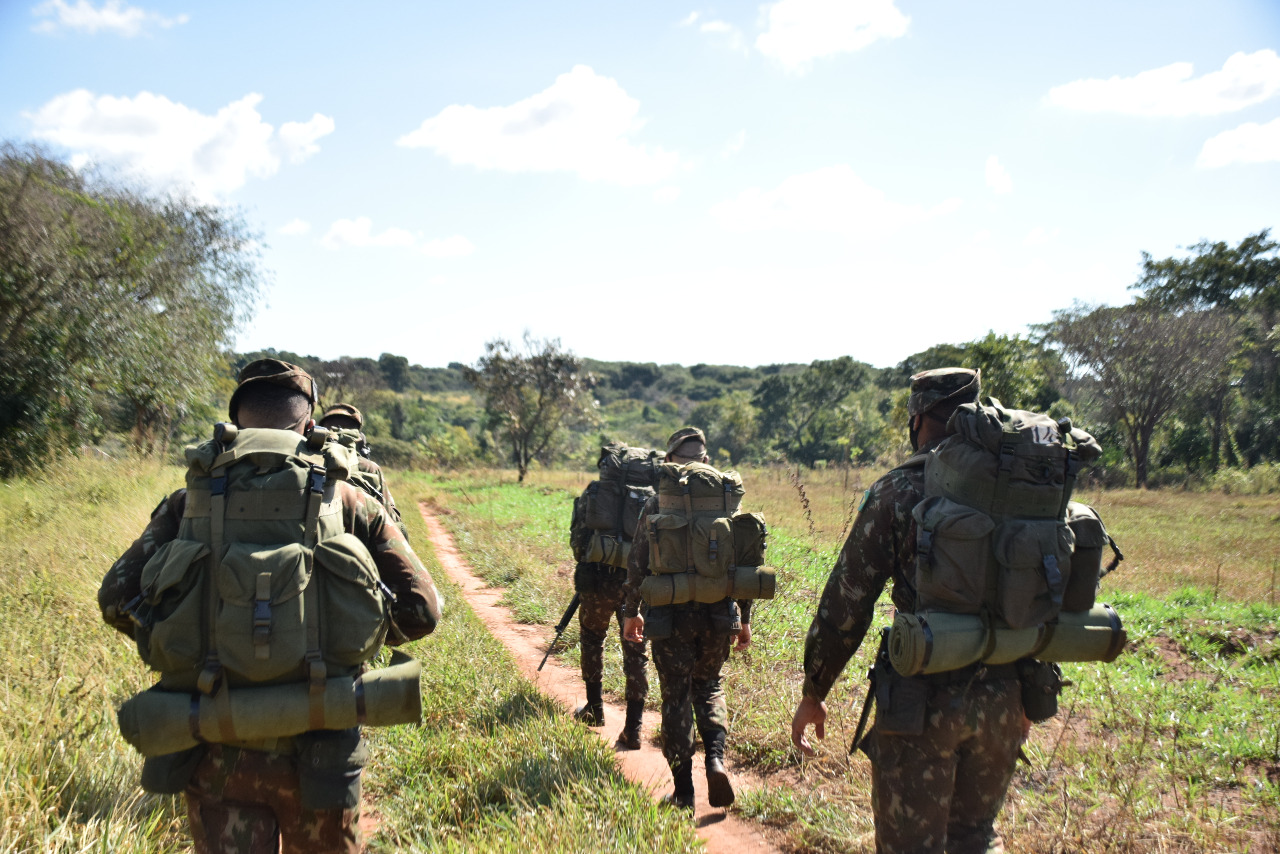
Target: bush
<point>1263,479</point>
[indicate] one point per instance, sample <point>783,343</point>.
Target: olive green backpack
<point>996,546</point>
<point>702,548</point>
<point>605,514</point>
<point>261,585</point>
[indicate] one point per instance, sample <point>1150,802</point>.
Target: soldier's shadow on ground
<point>516,709</point>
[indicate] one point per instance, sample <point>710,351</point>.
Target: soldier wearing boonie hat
<point>688,656</point>
<point>942,787</point>
<point>249,795</point>
<point>345,417</point>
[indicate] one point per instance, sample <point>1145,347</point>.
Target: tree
<point>1145,362</point>
<point>531,396</point>
<point>802,412</point>
<point>395,371</point>
<point>107,291</point>
<point>1244,281</point>
<point>1017,371</point>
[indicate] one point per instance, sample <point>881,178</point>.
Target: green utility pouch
<point>1041,683</point>
<point>329,766</point>
<point>170,773</point>
<point>659,623</point>
<point>900,701</point>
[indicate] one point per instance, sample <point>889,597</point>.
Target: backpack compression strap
<point>317,672</point>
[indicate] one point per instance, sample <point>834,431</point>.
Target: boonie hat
<point>687,434</point>
<point>930,389</point>
<point>343,410</point>
<point>275,372</point>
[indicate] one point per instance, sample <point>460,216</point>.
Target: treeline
<point>117,310</point>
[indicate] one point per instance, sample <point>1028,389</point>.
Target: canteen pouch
<point>1041,683</point>
<point>329,766</point>
<point>170,609</point>
<point>170,773</point>
<point>900,701</point>
<point>585,578</point>
<point>659,623</point>
<point>1086,561</point>
<point>749,539</point>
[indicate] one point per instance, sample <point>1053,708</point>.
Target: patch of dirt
<point>722,832</point>
<point>1177,666</point>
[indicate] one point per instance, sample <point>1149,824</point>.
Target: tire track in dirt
<point>722,832</point>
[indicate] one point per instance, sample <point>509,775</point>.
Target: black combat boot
<point>630,735</point>
<point>591,712</point>
<point>682,797</point>
<point>719,787</point>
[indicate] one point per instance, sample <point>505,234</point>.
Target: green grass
<point>494,767</point>
<point>1174,747</point>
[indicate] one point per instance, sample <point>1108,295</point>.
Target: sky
<point>671,182</point>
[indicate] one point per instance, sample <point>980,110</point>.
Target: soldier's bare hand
<point>633,629</point>
<point>744,638</point>
<point>809,711</point>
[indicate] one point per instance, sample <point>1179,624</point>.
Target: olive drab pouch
<point>169,773</point>
<point>1086,559</point>
<point>1041,682</point>
<point>329,766</point>
<point>900,701</point>
<point>170,606</point>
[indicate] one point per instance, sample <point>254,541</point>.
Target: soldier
<point>601,590</point>
<point>344,416</point>
<point>941,788</point>
<point>249,796</point>
<point>690,644</point>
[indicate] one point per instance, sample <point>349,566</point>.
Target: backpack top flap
<point>634,466</point>
<point>708,488</point>
<point>1008,462</point>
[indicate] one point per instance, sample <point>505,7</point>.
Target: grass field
<point>1174,747</point>
<point>494,767</point>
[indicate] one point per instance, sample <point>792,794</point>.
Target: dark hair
<point>273,405</point>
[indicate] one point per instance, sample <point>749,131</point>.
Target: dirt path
<point>722,832</point>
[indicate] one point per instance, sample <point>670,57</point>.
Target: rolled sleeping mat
<point>676,588</point>
<point>158,722</point>
<point>607,549</point>
<point>936,641</point>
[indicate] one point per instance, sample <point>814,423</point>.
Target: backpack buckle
<point>315,481</point>
<point>218,485</point>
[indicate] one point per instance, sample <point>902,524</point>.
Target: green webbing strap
<point>317,672</point>
<point>688,527</point>
<point>989,624</point>
<point>315,486</point>
<point>1008,443</point>
<point>222,708</point>
<point>210,678</point>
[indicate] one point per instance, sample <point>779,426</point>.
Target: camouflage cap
<point>930,389</point>
<point>685,434</point>
<point>343,410</point>
<point>275,372</point>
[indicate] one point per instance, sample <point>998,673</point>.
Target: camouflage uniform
<point>242,799</point>
<point>347,419</point>
<point>602,592</point>
<point>690,645</point>
<point>940,790</point>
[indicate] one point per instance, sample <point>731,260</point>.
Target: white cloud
<point>582,123</point>
<point>998,177</point>
<point>800,31</point>
<point>171,143</point>
<point>114,16</point>
<point>833,199</point>
<point>295,228</point>
<point>1249,143</point>
<point>690,20</point>
<point>735,144</point>
<point>358,234</point>
<point>1245,79</point>
<point>666,194</point>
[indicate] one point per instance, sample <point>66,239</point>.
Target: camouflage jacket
<point>638,565</point>
<point>881,545</point>
<point>418,604</point>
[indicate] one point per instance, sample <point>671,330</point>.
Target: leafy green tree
<point>105,290</point>
<point>730,424</point>
<point>1143,363</point>
<point>395,371</point>
<point>532,396</point>
<point>1019,372</point>
<point>803,413</point>
<point>1244,281</point>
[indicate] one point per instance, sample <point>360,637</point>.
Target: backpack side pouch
<point>353,611</point>
<point>169,637</point>
<point>1086,558</point>
<point>750,538</point>
<point>329,766</point>
<point>953,556</point>
<point>1033,558</point>
<point>668,542</point>
<point>713,550</point>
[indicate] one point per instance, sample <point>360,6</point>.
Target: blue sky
<point>740,183</point>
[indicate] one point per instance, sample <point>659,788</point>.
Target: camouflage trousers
<point>941,791</point>
<point>248,802</point>
<point>688,662</point>
<point>602,602</point>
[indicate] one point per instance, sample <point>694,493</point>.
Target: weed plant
<point>1174,747</point>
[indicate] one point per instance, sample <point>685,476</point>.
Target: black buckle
<point>315,481</point>
<point>218,485</point>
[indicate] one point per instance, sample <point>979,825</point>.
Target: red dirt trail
<point>722,832</point>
